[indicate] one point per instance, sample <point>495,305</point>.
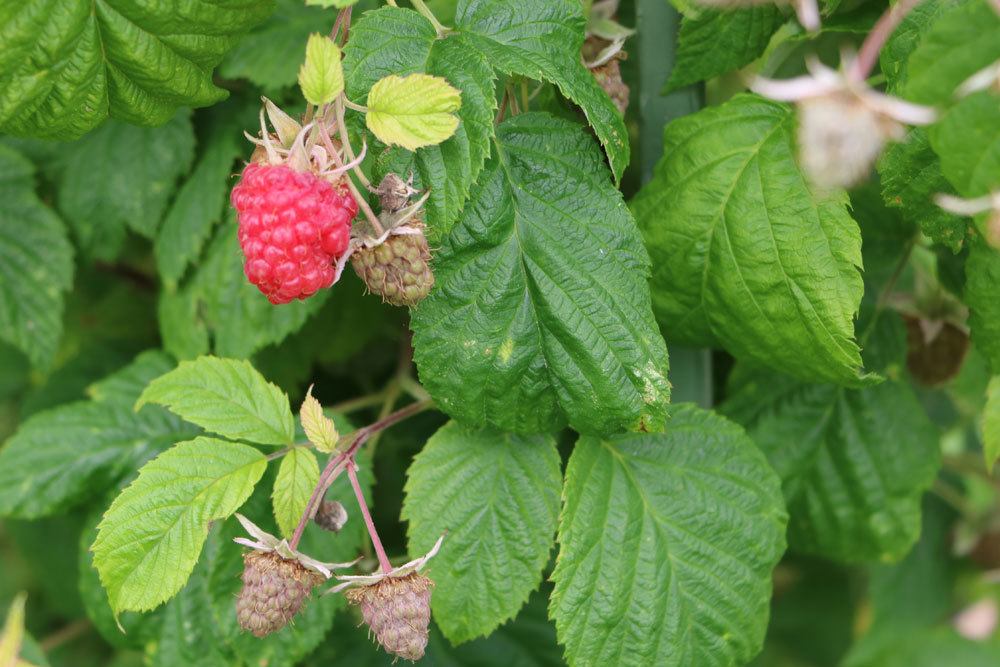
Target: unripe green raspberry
<point>274,589</point>
<point>398,611</point>
<point>398,270</point>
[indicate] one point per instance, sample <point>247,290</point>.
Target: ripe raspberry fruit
<point>398,269</point>
<point>398,611</point>
<point>274,589</point>
<point>293,226</point>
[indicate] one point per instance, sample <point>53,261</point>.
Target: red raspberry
<point>293,227</point>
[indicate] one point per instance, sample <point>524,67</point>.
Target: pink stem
<point>876,39</point>
<point>383,560</point>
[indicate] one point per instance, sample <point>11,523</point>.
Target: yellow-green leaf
<point>318,427</point>
<point>991,423</point>
<point>413,111</point>
<point>321,76</point>
<point>297,477</point>
<point>13,633</point>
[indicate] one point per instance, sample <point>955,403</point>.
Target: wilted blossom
<point>843,123</point>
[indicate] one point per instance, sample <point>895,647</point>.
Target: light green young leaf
<point>959,42</point>
<point>982,296</point>
<point>65,67</point>
<point>968,141</point>
<point>297,477</point>
<point>991,423</point>
<point>36,264</point>
<point>12,633</point>
<point>496,496</point>
<point>321,76</point>
<point>151,536</point>
<point>319,429</point>
<point>121,177</point>
<point>541,39</point>
<point>716,42</point>
<point>413,111</point>
<point>225,396</point>
<point>541,316</point>
<point>666,546</point>
<point>62,456</point>
<point>853,463</point>
<point>744,252</point>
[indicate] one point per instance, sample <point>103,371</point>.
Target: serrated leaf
<point>271,54</point>
<point>991,423</point>
<point>188,634</point>
<point>62,456</point>
<point>321,76</point>
<point>12,633</point>
<point>968,141</point>
<point>319,429</point>
<point>541,39</point>
<point>121,177</point>
<point>853,463</point>
<point>717,42</point>
<point>412,111</point>
<point>744,252</point>
<point>958,43</point>
<point>225,396</point>
<point>65,68</point>
<point>982,296</point>
<point>297,477</point>
<point>123,387</point>
<point>151,536</point>
<point>496,497</point>
<point>666,545</point>
<point>911,175</point>
<point>540,316</point>
<point>894,56</point>
<point>36,264</point>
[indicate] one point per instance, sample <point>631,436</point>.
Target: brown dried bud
<point>394,193</point>
<point>331,516</point>
<point>274,589</point>
<point>398,611</point>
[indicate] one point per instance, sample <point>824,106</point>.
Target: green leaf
<point>188,635</point>
<point>412,111</point>
<point>151,536</point>
<point>318,428</point>
<point>540,316</point>
<point>225,396</point>
<point>853,463</point>
<point>271,54</point>
<point>297,477</point>
<point>991,423</point>
<point>666,545</point>
<point>67,67</point>
<point>982,296</point>
<point>717,42</point>
<point>541,39</point>
<point>184,334</point>
<point>911,175</point>
<point>968,141</point>
<point>123,387</point>
<point>957,44</point>
<point>744,252</point>
<point>12,633</point>
<point>894,56</point>
<point>339,4</point>
<point>496,497</point>
<point>941,647</point>
<point>321,76</point>
<point>65,455</point>
<point>36,264</point>
<point>121,177</point>
<point>400,41</point>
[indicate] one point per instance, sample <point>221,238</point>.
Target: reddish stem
<point>383,560</point>
<point>337,461</point>
<point>876,39</point>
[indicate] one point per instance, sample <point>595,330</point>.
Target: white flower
<point>843,123</point>
<point>807,11</point>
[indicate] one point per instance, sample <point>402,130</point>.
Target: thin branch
<point>383,560</point>
<point>65,635</point>
<point>429,15</point>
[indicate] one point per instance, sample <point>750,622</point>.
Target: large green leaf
<point>541,39</point>
<point>541,313</point>
<point>991,423</point>
<point>666,545</point>
<point>124,386</point>
<point>121,177</point>
<point>744,252</point>
<point>66,65</point>
<point>853,463</point>
<point>982,295</point>
<point>716,42</point>
<point>400,41</point>
<point>496,498</point>
<point>894,56</point>
<point>64,455</point>
<point>151,536</point>
<point>225,396</point>
<point>36,263</point>
<point>968,141</point>
<point>958,43</point>
<point>188,634</point>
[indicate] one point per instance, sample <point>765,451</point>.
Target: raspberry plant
<point>334,332</point>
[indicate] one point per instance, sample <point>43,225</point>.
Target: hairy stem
<point>338,460</point>
<point>383,560</point>
<point>876,39</point>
